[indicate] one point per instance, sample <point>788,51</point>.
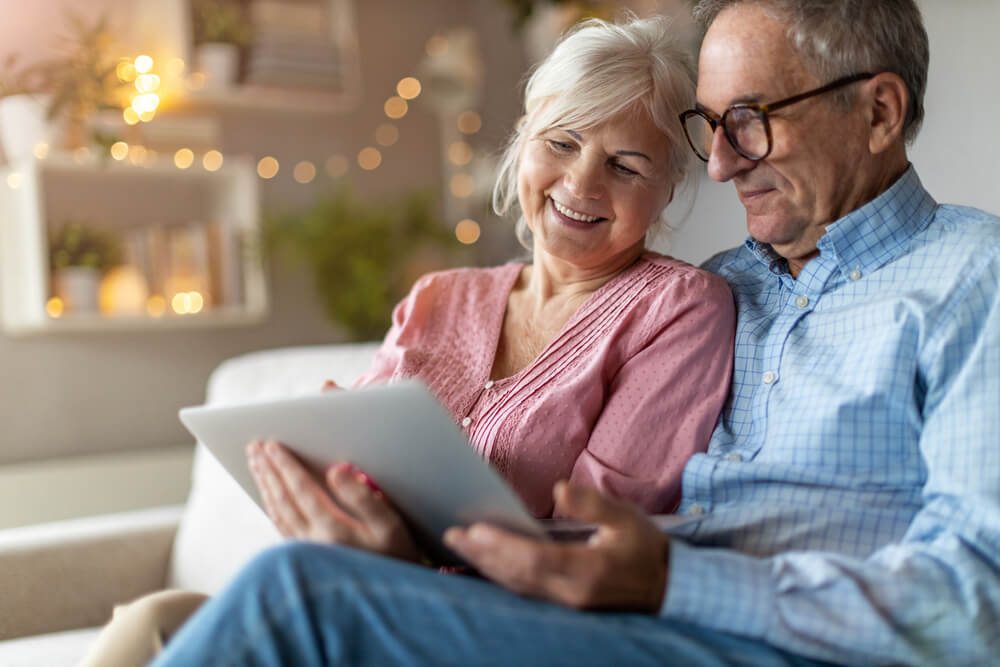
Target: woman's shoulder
<point>681,279</point>
<point>475,278</point>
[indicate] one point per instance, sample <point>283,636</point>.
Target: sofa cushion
<point>221,527</point>
<point>55,649</point>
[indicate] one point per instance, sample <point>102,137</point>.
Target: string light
<point>304,172</point>
<point>14,180</point>
<point>143,64</point>
<point>469,122</point>
<point>459,153</point>
<point>41,150</point>
<point>267,167</point>
<point>369,158</point>
<point>212,160</point>
<point>119,150</point>
<point>130,116</point>
<point>408,88</point>
<point>467,231</point>
<point>54,307</point>
<point>395,107</point>
<point>187,303</point>
<point>156,306</point>
<point>183,158</point>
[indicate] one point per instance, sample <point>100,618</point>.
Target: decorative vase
<point>78,286</point>
<point>219,62</point>
<point>23,125</point>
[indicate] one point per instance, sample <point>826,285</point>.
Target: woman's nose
<point>583,179</point>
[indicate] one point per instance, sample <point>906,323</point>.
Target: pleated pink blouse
<point>619,400</point>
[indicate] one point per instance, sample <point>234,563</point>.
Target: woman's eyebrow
<point>576,135</point>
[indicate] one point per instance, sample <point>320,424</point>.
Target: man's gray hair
<point>845,37</point>
<point>598,71</point>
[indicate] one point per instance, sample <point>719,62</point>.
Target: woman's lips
<point>572,222</point>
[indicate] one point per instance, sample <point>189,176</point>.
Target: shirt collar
<point>871,236</point>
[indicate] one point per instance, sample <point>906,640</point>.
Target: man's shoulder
<point>966,235</point>
<point>735,265</point>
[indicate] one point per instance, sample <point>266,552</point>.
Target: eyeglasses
<point>746,125</point>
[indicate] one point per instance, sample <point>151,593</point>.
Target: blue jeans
<point>305,604</point>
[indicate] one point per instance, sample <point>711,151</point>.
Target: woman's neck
<point>549,277</point>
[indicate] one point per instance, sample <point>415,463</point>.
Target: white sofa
<point>59,582</point>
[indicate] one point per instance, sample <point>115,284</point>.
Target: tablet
<point>398,434</point>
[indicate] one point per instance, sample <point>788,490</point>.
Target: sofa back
<point>221,528</point>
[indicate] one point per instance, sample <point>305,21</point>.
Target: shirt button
<point>770,377</point>
<point>735,457</point>
<point>802,301</point>
<point>696,510</point>
<point>488,385</point>
<point>855,275</point>
<point>466,422</point>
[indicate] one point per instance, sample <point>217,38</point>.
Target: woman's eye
<point>560,146</point>
<point>622,169</point>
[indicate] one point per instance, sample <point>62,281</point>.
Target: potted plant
<point>543,21</point>
<point>363,256</point>
<point>65,90</point>
<point>79,254</point>
<point>221,29</point>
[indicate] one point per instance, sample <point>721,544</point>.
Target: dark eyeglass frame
<point>762,110</point>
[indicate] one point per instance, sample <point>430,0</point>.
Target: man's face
<point>814,172</point>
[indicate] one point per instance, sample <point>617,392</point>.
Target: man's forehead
<point>747,57</point>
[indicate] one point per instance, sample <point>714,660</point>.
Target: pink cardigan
<point>627,391</point>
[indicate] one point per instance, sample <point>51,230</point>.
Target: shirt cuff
<point>719,589</point>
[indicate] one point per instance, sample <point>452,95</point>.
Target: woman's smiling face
<point>589,196</point>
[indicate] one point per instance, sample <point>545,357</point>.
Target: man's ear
<point>889,107</point>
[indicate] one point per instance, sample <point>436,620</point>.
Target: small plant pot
<point>219,62</point>
<point>78,287</point>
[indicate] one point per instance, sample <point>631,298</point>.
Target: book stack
<point>293,46</point>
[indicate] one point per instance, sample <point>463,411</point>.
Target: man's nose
<point>724,162</point>
<point>584,179</point>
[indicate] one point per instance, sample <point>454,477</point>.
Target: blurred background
<point>189,180</point>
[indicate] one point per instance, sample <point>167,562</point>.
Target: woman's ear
<point>890,104</point>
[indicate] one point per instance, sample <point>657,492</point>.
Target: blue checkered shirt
<point>850,496</point>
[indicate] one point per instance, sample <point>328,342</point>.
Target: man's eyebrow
<point>750,98</point>
<point>576,135</point>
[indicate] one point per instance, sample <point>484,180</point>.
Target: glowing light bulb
<point>267,167</point>
<point>143,64</point>
<point>119,150</point>
<point>304,172</point>
<point>14,180</point>
<point>467,231</point>
<point>41,150</point>
<point>459,153</point>
<point>469,122</point>
<point>212,160</point>
<point>408,88</point>
<point>386,134</point>
<point>184,158</point>
<point>369,158</point>
<point>395,107</point>
<point>54,307</point>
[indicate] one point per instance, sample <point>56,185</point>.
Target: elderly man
<point>849,505</point>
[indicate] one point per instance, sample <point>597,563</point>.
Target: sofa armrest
<point>69,574</point>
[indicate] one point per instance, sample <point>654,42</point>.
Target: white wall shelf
<point>38,195</point>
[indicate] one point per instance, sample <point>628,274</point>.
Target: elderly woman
<point>597,361</point>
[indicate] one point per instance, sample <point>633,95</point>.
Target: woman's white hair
<point>597,71</point>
